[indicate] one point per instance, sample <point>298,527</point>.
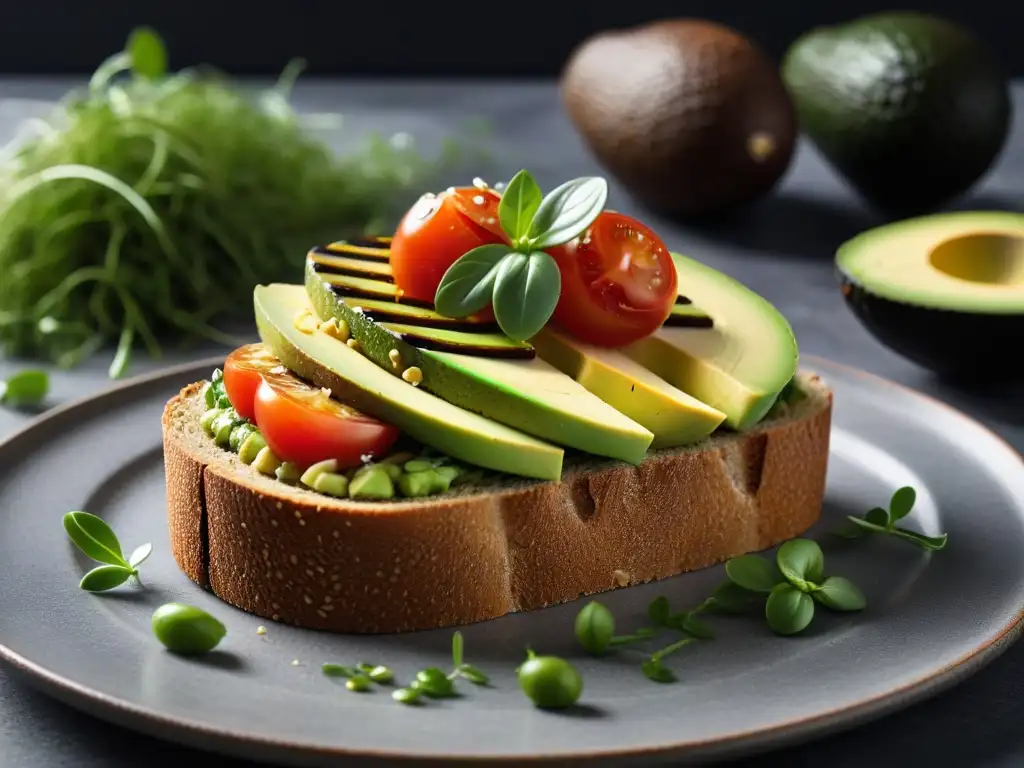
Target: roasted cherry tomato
<point>618,282</point>
<point>242,372</point>
<point>303,424</point>
<point>438,230</point>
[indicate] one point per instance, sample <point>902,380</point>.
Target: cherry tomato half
<point>304,425</point>
<point>242,371</point>
<point>437,231</point>
<point>618,282</point>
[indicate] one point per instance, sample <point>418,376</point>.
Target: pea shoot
<point>25,388</point>
<point>793,583</point>
<point>879,520</point>
<point>97,540</point>
<point>359,677</point>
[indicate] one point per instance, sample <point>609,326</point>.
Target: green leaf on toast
<point>526,290</point>
<point>566,211</point>
<point>468,284</point>
<point>519,204</point>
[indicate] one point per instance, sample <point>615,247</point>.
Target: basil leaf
<point>518,205</point>
<point>526,291</point>
<point>840,594</point>
<point>928,543</point>
<point>801,562</point>
<point>729,597</point>
<point>458,645</point>
<point>878,516</point>
<point>148,54</point>
<point>658,611</point>
<point>788,610</point>
<point>658,672</point>
<point>594,627</point>
<point>902,502</point>
<point>95,538</point>
<point>140,555</point>
<point>104,578</point>
<point>567,211</point>
<point>28,387</point>
<point>753,572</point>
<point>468,284</point>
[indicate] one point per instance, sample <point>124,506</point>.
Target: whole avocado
<point>911,109</point>
<point>690,116</point>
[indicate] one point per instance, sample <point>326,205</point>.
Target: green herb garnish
<point>435,683</point>
<point>884,521</point>
<point>653,668</point>
<point>25,388</point>
<point>793,583</point>
<point>461,668</point>
<point>521,280</point>
<point>98,541</point>
<point>121,221</point>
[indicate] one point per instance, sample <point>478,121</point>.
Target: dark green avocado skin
<point>911,109</point>
<point>968,348</point>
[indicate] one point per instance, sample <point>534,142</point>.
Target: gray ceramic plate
<point>931,619</point>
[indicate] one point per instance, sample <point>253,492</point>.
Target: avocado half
<point>945,291</point>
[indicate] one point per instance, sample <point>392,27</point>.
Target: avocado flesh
<point>943,290</point>
<point>674,417</point>
<point>740,365</point>
<point>353,379</point>
<point>476,371</point>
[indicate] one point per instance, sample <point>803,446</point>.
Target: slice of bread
<point>295,556</point>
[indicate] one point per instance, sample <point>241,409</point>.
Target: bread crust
<point>291,555</point>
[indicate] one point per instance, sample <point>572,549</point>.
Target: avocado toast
<point>551,424</point>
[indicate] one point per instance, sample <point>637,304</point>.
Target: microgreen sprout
<point>98,541</point>
<point>884,521</point>
<point>25,388</point>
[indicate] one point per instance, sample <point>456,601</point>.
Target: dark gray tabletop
<point>782,249</point>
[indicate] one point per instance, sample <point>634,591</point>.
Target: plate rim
<point>229,742</point>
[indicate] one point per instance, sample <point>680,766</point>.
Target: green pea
<point>418,465</point>
<point>415,484</point>
<point>207,419</point>
<point>358,683</point>
<point>186,629</point>
<point>239,435</point>
<point>434,683</point>
<point>331,484</point>
<point>266,463</point>
<point>251,447</point>
<point>550,682</point>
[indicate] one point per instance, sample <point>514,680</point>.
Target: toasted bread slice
<point>479,552</point>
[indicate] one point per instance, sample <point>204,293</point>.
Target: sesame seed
<point>273,523</point>
<point>336,534</point>
<point>396,357</point>
<point>337,587</point>
<point>348,524</point>
<point>413,375</point>
<point>309,572</point>
<point>621,577</point>
<point>479,183</point>
<point>380,574</point>
<point>321,614</point>
<point>326,391</point>
<point>279,574</point>
<point>261,630</point>
<point>302,522</point>
<point>275,606</point>
<point>279,505</point>
<point>298,514</point>
<point>328,599</point>
<point>296,662</point>
<point>243,525</point>
<point>479,199</point>
<point>327,607</point>
<point>307,599</point>
<point>320,570</point>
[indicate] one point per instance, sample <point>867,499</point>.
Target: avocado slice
<point>740,365</point>
<point>480,371</point>
<point>674,417</point>
<point>354,379</point>
<point>945,291</point>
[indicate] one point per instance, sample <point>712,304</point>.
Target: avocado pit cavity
<point>995,258</point>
